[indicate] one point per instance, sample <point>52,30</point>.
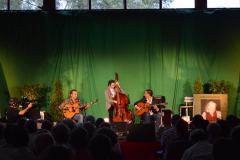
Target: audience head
<point>223,149</point>
<point>42,141</point>
<point>100,147</point>
<point>56,152</point>
<point>61,133</point>
<point>232,121</point>
<point>182,128</point>
<point>198,122</point>
<point>175,119</point>
<point>69,123</point>
<point>90,119</point>
<point>213,131</point>
<point>16,135</point>
<point>79,138</point>
<point>90,128</point>
<point>46,124</point>
<point>99,121</point>
<point>105,124</point>
<point>197,135</point>
<point>236,135</point>
<point>226,128</point>
<point>110,134</point>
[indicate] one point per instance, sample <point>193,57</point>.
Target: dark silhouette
<point>61,133</point>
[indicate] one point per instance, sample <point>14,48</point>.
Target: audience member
<point>176,148</point>
<point>56,152</point>
<point>223,149</point>
<point>42,141</point>
<point>95,140</point>
<point>99,121</point>
<point>61,134</point>
<point>214,132</point>
<point>90,128</point>
<point>201,148</point>
<point>46,124</point>
<point>169,135</point>
<point>100,147</point>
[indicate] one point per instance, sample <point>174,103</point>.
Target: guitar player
<point>73,101</point>
<point>153,111</point>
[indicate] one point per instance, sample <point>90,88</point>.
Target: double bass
<point>121,111</point>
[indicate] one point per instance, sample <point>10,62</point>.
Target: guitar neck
<point>92,102</point>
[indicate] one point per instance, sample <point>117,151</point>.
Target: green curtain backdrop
<point>165,51</point>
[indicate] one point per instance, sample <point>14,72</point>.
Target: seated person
<point>150,101</point>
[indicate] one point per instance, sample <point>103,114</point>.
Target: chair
<point>188,104</point>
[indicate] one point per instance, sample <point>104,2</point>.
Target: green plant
<point>33,91</point>
<point>198,89</point>
<point>56,100</point>
<point>216,87</point>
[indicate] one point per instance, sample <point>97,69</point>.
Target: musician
<point>153,111</point>
<point>14,112</point>
<point>73,99</point>
<point>110,93</point>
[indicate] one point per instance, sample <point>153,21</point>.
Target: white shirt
<point>149,101</point>
<point>113,92</point>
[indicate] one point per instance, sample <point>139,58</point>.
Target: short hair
<point>197,135</point>
<point>149,91</point>
<point>110,82</point>
<point>72,90</point>
<point>79,138</point>
<point>175,119</point>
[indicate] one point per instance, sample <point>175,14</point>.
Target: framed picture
<point>211,106</point>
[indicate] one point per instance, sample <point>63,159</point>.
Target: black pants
<point>110,113</point>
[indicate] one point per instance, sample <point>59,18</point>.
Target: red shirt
<point>210,117</point>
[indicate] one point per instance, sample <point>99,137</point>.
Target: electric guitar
<point>73,108</point>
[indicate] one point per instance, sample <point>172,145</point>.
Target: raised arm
<point>22,112</point>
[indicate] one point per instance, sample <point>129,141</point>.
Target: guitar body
<point>71,110</point>
<point>75,108</point>
<point>144,107</point>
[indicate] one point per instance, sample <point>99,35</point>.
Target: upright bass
<point>121,111</point>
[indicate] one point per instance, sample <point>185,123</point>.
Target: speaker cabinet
<point>141,132</point>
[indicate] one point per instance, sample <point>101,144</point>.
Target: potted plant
<point>198,89</point>
<point>56,100</point>
<point>216,87</point>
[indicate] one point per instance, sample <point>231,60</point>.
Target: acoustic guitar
<point>73,108</point>
<point>145,107</point>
